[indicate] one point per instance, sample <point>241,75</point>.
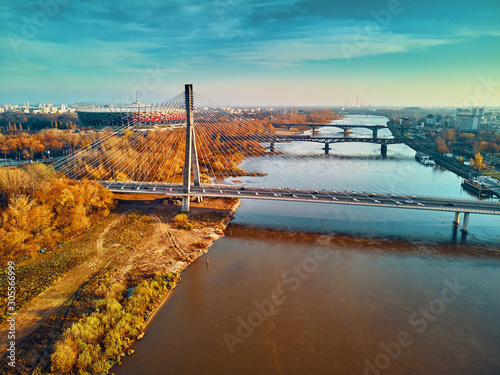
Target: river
<point>300,288</point>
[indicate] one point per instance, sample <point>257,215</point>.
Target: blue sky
<point>241,52</point>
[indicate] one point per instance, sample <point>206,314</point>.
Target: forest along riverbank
<point>142,238</point>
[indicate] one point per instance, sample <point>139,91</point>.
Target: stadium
<point>100,115</point>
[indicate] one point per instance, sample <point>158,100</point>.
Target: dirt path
<point>161,247</point>
<point>32,316</point>
<point>100,240</point>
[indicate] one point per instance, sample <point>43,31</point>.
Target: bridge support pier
<point>327,148</point>
<point>346,132</point>
<point>375,133</point>
<point>465,225</point>
<point>383,151</point>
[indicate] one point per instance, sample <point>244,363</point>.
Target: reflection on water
<point>277,303</point>
<point>375,291</point>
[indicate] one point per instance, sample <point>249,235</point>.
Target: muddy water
<point>277,303</point>
<point>371,291</point>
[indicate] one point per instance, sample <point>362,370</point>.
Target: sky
<point>247,53</point>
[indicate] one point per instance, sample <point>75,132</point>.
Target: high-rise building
<point>469,120</point>
<point>477,111</point>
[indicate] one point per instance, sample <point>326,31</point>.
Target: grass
<point>130,232</point>
<point>210,217</point>
<point>34,278</point>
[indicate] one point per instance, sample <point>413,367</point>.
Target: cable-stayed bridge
<point>178,149</point>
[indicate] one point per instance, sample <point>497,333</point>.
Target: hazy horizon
<point>261,53</point>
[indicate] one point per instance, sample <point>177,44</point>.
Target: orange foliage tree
<point>40,208</point>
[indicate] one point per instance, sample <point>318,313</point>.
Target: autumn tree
<point>479,146</point>
<point>477,162</point>
<point>42,208</point>
<point>441,146</point>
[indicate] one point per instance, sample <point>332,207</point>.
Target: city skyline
<point>264,53</point>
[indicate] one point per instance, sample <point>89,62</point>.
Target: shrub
<point>181,221</point>
<point>95,343</point>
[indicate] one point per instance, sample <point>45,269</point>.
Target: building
<point>477,111</point>
<point>429,120</point>
<point>467,122</point>
<point>463,112</point>
<point>102,115</point>
<point>404,121</point>
<point>449,121</point>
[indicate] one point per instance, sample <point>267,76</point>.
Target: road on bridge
<point>313,196</point>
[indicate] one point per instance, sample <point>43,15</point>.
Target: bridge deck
<point>312,196</point>
<point>342,126</point>
<point>305,138</point>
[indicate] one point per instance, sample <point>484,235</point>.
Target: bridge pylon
<point>191,155</point>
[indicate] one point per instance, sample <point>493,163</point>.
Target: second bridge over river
<point>273,139</point>
<point>345,127</point>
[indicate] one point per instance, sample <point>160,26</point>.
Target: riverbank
<point>451,164</point>
<point>138,241</point>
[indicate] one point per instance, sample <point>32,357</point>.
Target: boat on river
<point>424,159</point>
<point>477,187</point>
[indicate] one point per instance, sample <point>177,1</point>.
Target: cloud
<point>349,45</point>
